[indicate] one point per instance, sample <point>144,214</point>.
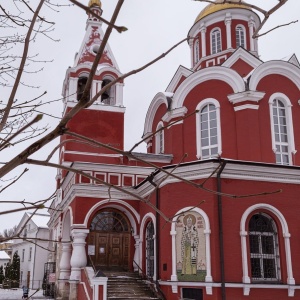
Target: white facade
<point>33,249</point>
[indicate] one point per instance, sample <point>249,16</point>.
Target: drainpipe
<point>220,218</point>
<point>157,235</point>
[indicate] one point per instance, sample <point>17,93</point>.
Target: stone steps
<point>127,286</point>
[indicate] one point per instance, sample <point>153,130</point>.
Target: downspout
<point>157,235</point>
<point>220,218</point>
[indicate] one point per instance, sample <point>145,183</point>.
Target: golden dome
<point>214,7</point>
<point>94,3</point>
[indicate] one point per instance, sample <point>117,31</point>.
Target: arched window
<point>240,36</point>
<point>81,83</point>
<point>159,139</point>
<point>150,249</point>
<point>108,97</point>
<point>208,129</point>
<point>216,41</point>
<point>264,253</point>
<point>196,52</point>
<point>282,129</point>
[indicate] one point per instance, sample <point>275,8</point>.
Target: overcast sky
<point>154,26</point>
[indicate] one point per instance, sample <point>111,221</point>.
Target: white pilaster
<point>65,264</point>
<point>251,31</point>
<point>136,256</point>
<point>228,30</point>
<point>72,93</point>
<point>246,278</point>
<point>203,40</point>
<point>78,259</point>
<point>119,94</point>
<point>174,271</point>
<point>290,279</point>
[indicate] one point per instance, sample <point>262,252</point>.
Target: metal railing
<point>154,285</point>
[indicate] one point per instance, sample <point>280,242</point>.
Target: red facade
<point>219,184</point>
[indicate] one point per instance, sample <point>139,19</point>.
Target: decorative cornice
<point>246,96</point>
<point>175,113</point>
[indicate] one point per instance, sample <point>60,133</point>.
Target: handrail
<point>157,290</point>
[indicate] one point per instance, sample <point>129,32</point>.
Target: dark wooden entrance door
<point>109,246</point>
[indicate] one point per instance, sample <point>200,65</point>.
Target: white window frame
<point>245,249</point>
<point>199,107</point>
<point>262,256</point>
<point>30,254</point>
<point>160,139</point>
<point>289,123</point>
<point>240,41</point>
<point>214,49</point>
<point>196,52</point>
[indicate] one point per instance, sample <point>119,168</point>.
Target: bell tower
<point>103,121</point>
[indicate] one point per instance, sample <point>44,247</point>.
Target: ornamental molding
<point>246,96</point>
<point>175,113</point>
<point>181,72</point>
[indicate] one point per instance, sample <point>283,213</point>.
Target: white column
<point>78,259</point>
<point>136,256</point>
<point>228,31</point>
<point>174,270</point>
<point>251,31</point>
<point>290,279</point>
<point>72,93</point>
<point>191,42</point>
<point>119,94</point>
<point>246,278</point>
<point>208,277</point>
<point>203,40</point>
<point>65,264</point>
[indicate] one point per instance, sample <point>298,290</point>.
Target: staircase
<point>127,286</point>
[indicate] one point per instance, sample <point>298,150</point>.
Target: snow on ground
<point>16,294</point>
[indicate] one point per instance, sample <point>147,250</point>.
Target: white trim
<point>181,72</point>
<point>283,68</point>
<point>207,231</point>
<point>224,57</point>
<point>128,175</point>
<point>142,228</point>
<point>117,175</point>
<point>99,106</point>
<point>246,106</point>
<point>244,55</point>
<point>246,96</point>
<point>87,178</point>
<point>285,233</point>
<point>174,113</point>
<point>210,63</point>
<point>85,290</point>
<point>229,76</point>
<point>160,139</point>
<point>228,21</point>
<point>158,100</point>
<point>93,154</point>
<point>289,119</point>
<point>215,29</point>
<point>198,125</point>
<point>100,173</point>
<point>245,35</point>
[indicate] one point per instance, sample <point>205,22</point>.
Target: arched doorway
<point>150,249</point>
<point>109,240</point>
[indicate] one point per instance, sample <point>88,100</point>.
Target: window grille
<point>240,37</point>
<point>150,249</point>
<point>264,252</point>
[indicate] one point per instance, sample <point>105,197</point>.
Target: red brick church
<point>224,169</point>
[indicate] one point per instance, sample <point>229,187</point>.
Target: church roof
<point>214,7</point>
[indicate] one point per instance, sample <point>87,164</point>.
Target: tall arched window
<point>240,36</point>
<point>108,97</point>
<point>282,129</point>
<point>81,83</point>
<point>264,252</point>
<point>196,51</point>
<point>150,249</point>
<point>216,41</point>
<point>208,129</point>
<point>159,139</point>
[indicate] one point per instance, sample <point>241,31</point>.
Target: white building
<point>33,249</point>
<point>4,259</point>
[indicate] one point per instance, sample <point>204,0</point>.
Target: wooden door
<point>109,249</point>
